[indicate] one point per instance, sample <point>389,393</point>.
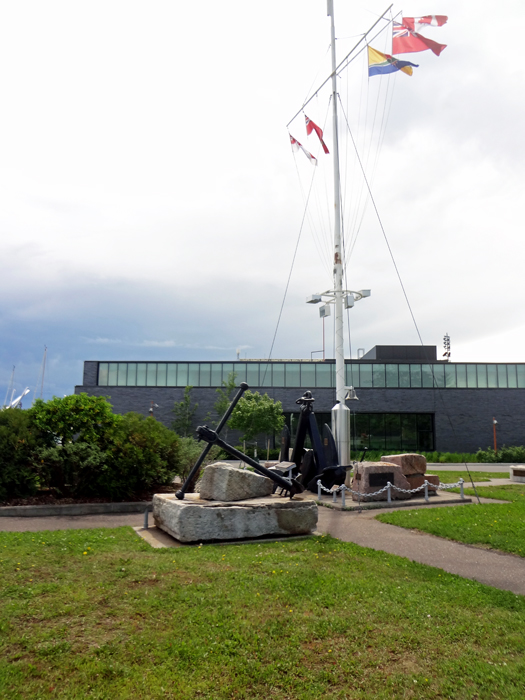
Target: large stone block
<point>410,463</point>
<point>370,477</point>
<point>195,520</point>
<point>222,482</point>
<point>417,480</point>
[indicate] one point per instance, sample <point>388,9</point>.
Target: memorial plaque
<point>519,472</point>
<point>381,479</point>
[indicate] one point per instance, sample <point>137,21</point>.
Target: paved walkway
<point>504,571</point>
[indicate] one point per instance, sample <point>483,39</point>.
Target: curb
<point>74,509</point>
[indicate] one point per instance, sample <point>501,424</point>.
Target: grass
<point>99,614</point>
<point>451,477</point>
<point>495,525</point>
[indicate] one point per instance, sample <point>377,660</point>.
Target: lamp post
<point>340,412</point>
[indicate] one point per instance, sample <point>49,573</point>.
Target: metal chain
<point>343,487</point>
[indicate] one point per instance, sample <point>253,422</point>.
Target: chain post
<point>343,496</point>
<point>389,498</point>
<point>146,518</point>
<point>461,482</point>
<point>426,490</point>
<point>319,489</point>
<point>335,496</point>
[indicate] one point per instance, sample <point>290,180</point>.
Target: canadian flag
<point>296,146</point>
<point>416,24</point>
<point>311,126</point>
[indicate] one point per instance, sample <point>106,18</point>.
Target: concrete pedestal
<point>196,520</point>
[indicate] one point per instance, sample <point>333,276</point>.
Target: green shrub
<point>19,473</point>
<point>144,454</point>
<point>504,454</point>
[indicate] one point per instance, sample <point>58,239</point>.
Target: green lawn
<point>99,614</point>
<point>495,525</point>
<point>451,477</point>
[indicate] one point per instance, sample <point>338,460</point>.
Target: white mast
<point>340,412</point>
<point>338,253</point>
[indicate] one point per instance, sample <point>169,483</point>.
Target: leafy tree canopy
<point>79,416</point>
<point>257,414</point>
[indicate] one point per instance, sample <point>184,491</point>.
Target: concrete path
<point>505,571</point>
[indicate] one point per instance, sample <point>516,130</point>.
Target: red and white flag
<point>297,146</point>
<point>406,41</point>
<point>416,24</point>
<point>311,126</point>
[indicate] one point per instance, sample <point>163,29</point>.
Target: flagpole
<point>342,427</point>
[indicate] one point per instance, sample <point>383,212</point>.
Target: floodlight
<point>349,301</point>
<point>365,292</point>
<point>314,299</point>
<point>324,311</point>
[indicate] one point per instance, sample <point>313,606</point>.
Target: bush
<point>19,474</point>
<point>144,454</point>
<point>190,450</point>
<point>505,454</point>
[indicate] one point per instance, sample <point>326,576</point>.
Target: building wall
<point>463,417</point>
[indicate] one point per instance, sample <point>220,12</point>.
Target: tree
<point>184,411</point>
<point>77,417</point>
<point>257,414</point>
<point>225,392</point>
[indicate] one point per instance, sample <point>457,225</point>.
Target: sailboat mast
<point>338,253</point>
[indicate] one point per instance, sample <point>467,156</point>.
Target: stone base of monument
<point>198,520</point>
<point>370,477</point>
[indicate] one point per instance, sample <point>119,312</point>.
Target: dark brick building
<point>408,400</point>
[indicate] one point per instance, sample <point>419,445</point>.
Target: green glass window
<point>472,381</point>
<point>492,376</point>
<point>122,373</point>
<point>439,375</point>
<point>278,374</point>
<point>308,376</point>
<point>404,376</point>
<point>216,374</point>
<point>392,379</point>
<point>265,374</point>
<point>461,376</point>
<point>151,374</point>
<point>132,374</point>
<point>205,374</point>
<point>103,373</point>
<point>521,376</point>
<point>240,370</point>
<point>393,431</point>
<point>293,375</point>
<point>193,374</point>
<point>365,376</point>
<point>161,374</point>
<point>182,374</point>
<point>409,431</point>
<point>502,376</point>
<point>378,376</point>
<point>415,376</point>
<point>141,374</point>
<point>450,376</point>
<point>252,374</point>
<point>482,376</point>
<point>171,374</point>
<point>112,374</point>
<point>324,375</point>
<point>377,431</point>
<point>427,375</point>
<point>511,377</point>
<point>352,374</point>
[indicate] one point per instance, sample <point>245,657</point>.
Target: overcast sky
<point>150,203</point>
